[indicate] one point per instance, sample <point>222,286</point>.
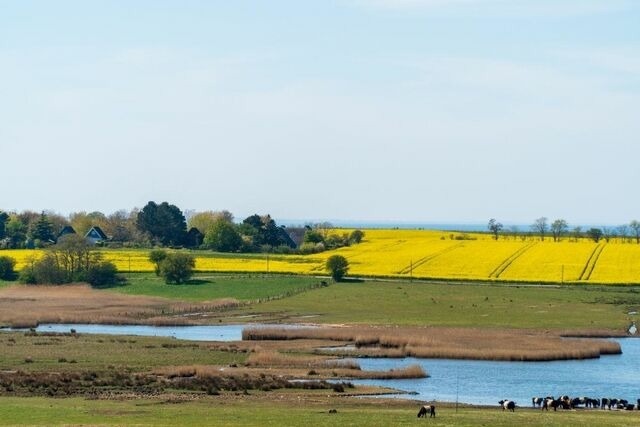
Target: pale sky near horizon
<point>371,110</point>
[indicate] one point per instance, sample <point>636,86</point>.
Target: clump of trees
<point>173,267</point>
<point>560,229</point>
<point>337,266</point>
<point>165,225</point>
<point>71,259</point>
<point>321,237</point>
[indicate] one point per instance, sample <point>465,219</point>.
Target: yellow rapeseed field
<point>426,254</point>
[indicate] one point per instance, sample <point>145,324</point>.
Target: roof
<point>96,232</point>
<point>67,229</point>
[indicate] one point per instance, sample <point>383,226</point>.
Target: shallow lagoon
<point>466,381</point>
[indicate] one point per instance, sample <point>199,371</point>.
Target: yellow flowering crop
<point>424,254</point>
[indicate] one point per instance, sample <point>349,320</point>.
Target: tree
<point>356,236</point>
<point>156,256</point>
<point>164,223</point>
<point>72,259</point>
<point>7,265</point>
<point>635,226</point>
<point>558,228</point>
<point>608,233</point>
<point>576,233</point>
<point>312,236</point>
<point>43,229</point>
<point>595,234</point>
<point>205,220</point>
<point>4,218</point>
<point>540,226</point>
<point>337,266</point>
<point>495,227</point>
<point>623,232</point>
<point>223,236</point>
<point>177,267</point>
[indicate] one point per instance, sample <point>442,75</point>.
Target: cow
<point>507,404</point>
<point>427,409</point>
<point>537,401</point>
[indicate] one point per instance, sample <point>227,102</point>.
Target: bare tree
<point>514,230</point>
<point>576,233</point>
<point>495,227</point>
<point>635,226</point>
<point>623,232</point>
<point>608,233</point>
<point>540,226</point>
<point>558,228</point>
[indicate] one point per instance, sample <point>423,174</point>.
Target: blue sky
<point>374,110</point>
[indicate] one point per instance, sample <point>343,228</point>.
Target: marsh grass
<point>455,343</point>
<point>27,306</point>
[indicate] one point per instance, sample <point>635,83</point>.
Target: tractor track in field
<point>507,262</point>
<point>428,258</point>
<point>590,265</point>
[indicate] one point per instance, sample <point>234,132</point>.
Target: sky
<point>449,111</point>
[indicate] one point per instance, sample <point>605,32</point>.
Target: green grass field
<point>206,287</point>
<point>402,303</point>
<point>249,412</point>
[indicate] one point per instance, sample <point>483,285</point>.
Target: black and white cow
<point>536,402</point>
<point>508,405</point>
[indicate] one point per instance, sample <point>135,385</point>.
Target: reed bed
<point>454,343</point>
<point>28,306</point>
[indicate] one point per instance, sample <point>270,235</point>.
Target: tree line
<point>165,225</point>
<point>560,229</point>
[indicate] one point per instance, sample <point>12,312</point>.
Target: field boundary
<point>428,258</point>
<point>507,262</point>
<point>591,262</point>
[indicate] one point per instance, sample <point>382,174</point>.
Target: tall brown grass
<point>441,342</point>
<point>27,306</point>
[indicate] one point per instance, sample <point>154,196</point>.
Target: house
<point>66,230</point>
<point>95,235</point>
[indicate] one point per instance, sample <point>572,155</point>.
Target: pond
<point>451,380</point>
<point>486,382</point>
<point>192,333</point>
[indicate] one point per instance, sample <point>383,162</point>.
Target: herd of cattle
<point>565,402</point>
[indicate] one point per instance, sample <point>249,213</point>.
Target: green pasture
<point>447,304</point>
<point>36,411</point>
<point>206,287</point>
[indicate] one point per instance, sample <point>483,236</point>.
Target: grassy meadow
<point>281,409</point>
<point>429,255</point>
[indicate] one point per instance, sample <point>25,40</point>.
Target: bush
<point>7,265</point>
<point>103,274</point>
<point>356,236</point>
<point>156,256</point>
<point>45,270</point>
<point>337,265</point>
<point>177,267</point>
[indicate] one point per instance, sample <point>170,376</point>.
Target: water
<point>465,381</point>
<point>486,382</point>
<point>192,333</point>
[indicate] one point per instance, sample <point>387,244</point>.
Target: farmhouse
<point>95,235</point>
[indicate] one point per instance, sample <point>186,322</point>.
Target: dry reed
<point>441,342</point>
<point>27,306</point>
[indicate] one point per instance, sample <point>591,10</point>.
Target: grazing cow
<point>605,403</point>
<point>537,401</point>
<point>551,402</point>
<point>508,404</point>
<point>591,403</point>
<point>427,409</point>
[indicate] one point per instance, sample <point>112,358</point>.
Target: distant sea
<point>444,226</point>
<point>398,225</point>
